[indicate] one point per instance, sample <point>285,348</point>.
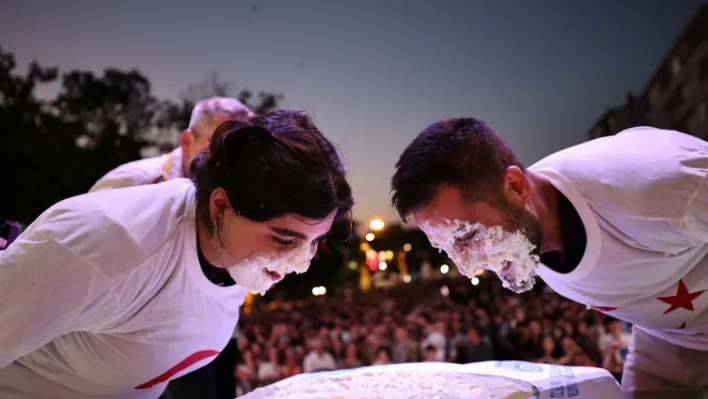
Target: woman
<point>116,292</point>
<point>550,349</point>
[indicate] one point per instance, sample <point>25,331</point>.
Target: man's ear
<point>516,186</point>
<point>186,141</point>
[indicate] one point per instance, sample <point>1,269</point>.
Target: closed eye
<point>282,243</point>
<point>466,238</point>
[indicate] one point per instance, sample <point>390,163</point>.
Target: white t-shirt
<point>142,171</point>
<point>642,196</point>
<point>103,295</point>
<point>315,362</point>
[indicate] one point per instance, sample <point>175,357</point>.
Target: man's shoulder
<point>635,171</point>
<point>142,171</point>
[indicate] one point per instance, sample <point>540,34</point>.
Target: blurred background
<point>86,86</point>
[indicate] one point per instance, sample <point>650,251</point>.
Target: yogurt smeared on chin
<point>251,272</point>
<point>472,245</point>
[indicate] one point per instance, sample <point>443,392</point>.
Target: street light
<point>376,224</point>
<point>370,237</point>
<point>407,278</point>
<point>383,266</point>
<point>444,269</point>
<point>407,247</point>
<point>475,280</point>
<point>318,291</point>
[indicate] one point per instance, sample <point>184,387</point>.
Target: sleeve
<point>45,291</point>
<point>695,220</point>
<point>136,173</point>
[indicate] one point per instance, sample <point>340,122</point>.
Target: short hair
<point>215,110</point>
<point>462,152</point>
<point>277,164</point>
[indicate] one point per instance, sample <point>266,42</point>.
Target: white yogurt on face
<point>250,273</point>
<point>473,245</point>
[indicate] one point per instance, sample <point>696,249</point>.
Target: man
<point>619,224</point>
<point>404,350</point>
<point>318,359</point>
<point>474,349</point>
<point>206,117</point>
<point>216,379</point>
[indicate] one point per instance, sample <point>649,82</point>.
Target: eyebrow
<point>292,233</point>
<point>288,233</point>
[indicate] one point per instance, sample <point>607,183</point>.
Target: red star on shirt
<point>682,326</point>
<point>682,299</point>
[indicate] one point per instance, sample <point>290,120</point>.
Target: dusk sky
<point>374,73</point>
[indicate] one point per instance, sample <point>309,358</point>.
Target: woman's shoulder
<point>121,226</point>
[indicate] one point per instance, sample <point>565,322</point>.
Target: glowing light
<point>389,255</point>
<point>382,256</point>
<point>323,290</point>
<point>353,265</point>
<point>444,290</point>
<point>444,269</point>
<point>383,266</point>
<point>478,272</point>
<point>407,278</point>
<point>376,224</point>
<point>407,247</point>
<point>254,292</point>
<point>370,237</point>
<point>364,246</point>
<point>318,291</point>
<point>475,280</point>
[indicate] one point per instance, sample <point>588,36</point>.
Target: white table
<point>553,381</point>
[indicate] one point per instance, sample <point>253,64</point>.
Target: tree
<point>57,148</point>
<point>175,115</point>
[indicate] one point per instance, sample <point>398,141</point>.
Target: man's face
<point>192,145</point>
<point>502,237</point>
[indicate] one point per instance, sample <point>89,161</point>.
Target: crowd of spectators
<point>448,321</point>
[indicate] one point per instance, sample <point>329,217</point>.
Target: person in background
<point>474,349</point>
<point>206,116</point>
<point>550,350</point>
<point>133,287</point>
<point>318,359</point>
<point>352,359</point>
<point>383,357</point>
<point>404,350</point>
<point>430,354</point>
<point>269,367</point>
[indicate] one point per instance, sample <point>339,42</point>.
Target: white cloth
<point>268,371</point>
<point>606,339</point>
<point>437,340</point>
<point>141,172</point>
<point>551,380</point>
<point>315,362</point>
<point>103,295</point>
<point>642,196</point>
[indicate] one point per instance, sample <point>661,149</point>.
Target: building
<point>614,120</point>
<point>676,95</point>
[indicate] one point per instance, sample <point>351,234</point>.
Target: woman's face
<point>548,344</point>
<point>259,254</point>
<point>351,350</point>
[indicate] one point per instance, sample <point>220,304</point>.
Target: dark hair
<point>279,163</point>
<point>463,152</point>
